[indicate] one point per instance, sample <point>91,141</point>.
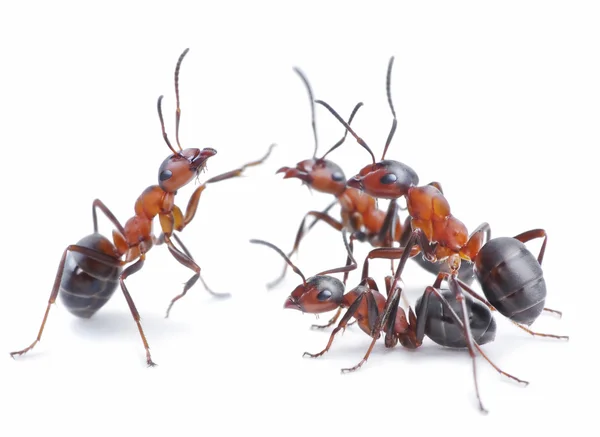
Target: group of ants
<point>510,276</point>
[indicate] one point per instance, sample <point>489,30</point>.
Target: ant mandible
<point>89,271</point>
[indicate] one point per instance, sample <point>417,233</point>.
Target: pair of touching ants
<point>510,276</point>
<point>90,270</point>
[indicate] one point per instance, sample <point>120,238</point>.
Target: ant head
<point>321,174</point>
<point>183,165</point>
<point>386,179</point>
<point>318,295</point>
<point>180,168</point>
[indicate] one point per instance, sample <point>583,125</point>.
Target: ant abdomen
<point>441,328</point>
<point>511,279</point>
<point>87,284</point>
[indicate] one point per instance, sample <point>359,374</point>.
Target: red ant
<point>359,211</point>
<point>436,312</point>
<point>89,270</point>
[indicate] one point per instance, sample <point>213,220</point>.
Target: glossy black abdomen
<point>87,284</point>
<point>512,279</point>
<point>441,327</point>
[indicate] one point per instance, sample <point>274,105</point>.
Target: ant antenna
<point>178,111</point>
<point>312,106</point>
<point>347,267</point>
<point>162,125</point>
<point>348,128</point>
<point>284,256</point>
<point>389,97</point>
<point>340,142</point>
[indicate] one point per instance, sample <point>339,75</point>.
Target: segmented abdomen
<point>87,284</point>
<point>441,327</point>
<point>512,279</point>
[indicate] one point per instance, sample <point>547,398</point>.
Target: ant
<point>359,211</point>
<point>436,312</point>
<point>89,271</point>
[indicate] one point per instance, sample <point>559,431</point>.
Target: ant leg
<point>134,312</point>
<point>97,204</point>
<point>530,235</point>
<point>192,206</point>
<point>391,231</point>
<point>187,252</point>
<point>455,288</point>
<point>418,241</point>
<point>98,256</point>
<point>386,234</point>
<point>436,185</point>
<point>549,310</point>
<point>538,334</point>
<point>341,326</point>
<point>320,216</point>
<point>477,239</point>
<point>415,244</point>
<point>373,312</point>
<point>188,261</point>
<point>325,211</point>
<point>500,371</point>
<point>422,320</point>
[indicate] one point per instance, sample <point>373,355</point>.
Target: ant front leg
<point>374,318</point>
<point>352,310</point>
<point>192,206</point>
<point>417,241</point>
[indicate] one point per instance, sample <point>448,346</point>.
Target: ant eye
<point>337,176</point>
<point>165,174</point>
<point>388,178</point>
<point>324,295</point>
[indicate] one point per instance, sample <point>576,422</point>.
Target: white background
<point>498,101</point>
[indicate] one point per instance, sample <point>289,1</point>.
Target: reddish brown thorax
<point>176,171</point>
<point>430,212</point>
